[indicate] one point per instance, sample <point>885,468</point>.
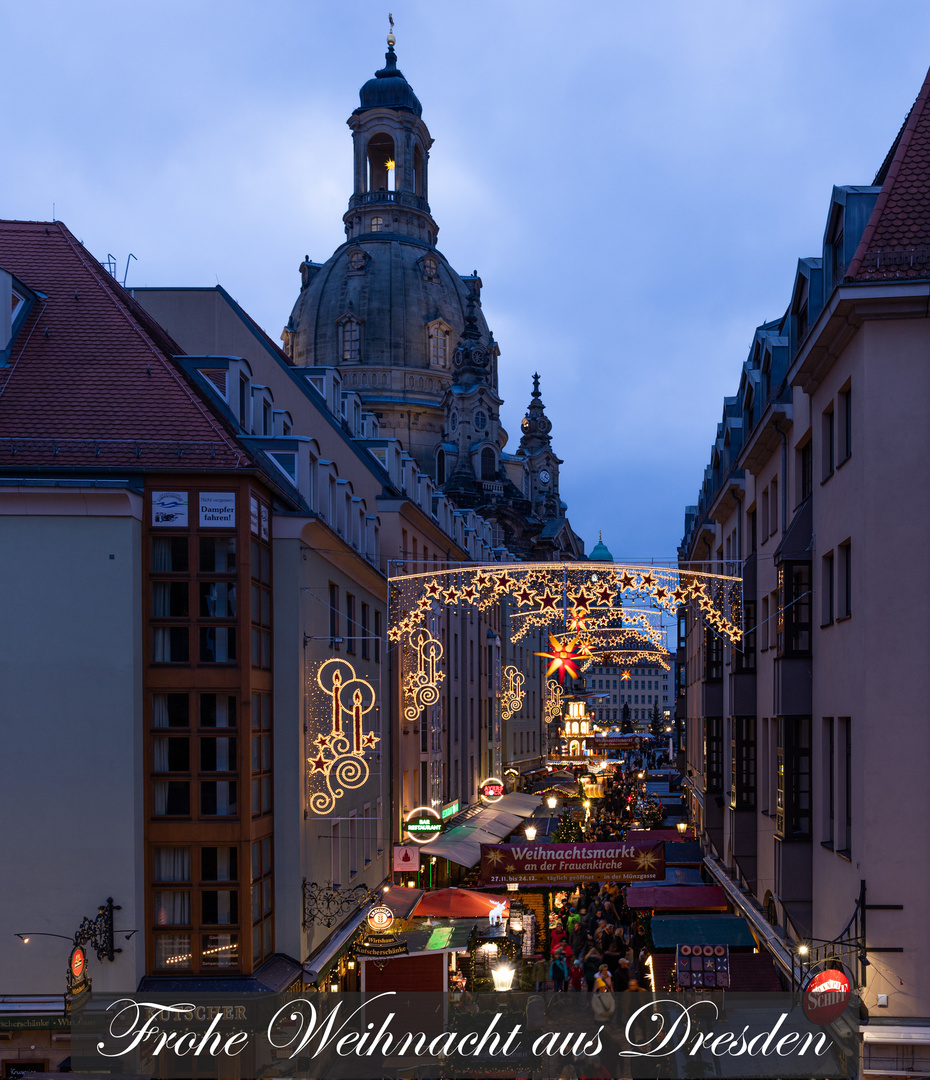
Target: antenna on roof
<point>126,275</point>
<point>110,264</point>
<point>53,211</point>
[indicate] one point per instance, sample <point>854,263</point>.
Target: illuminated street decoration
<point>512,693</point>
<point>618,598</point>
<point>554,700</point>
<point>421,684</point>
<point>338,702</point>
<point>563,659</point>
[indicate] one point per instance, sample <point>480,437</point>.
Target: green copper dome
<point>599,552</point>
<point>389,89</point>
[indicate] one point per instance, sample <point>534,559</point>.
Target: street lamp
<point>503,976</point>
<point>551,801</point>
<point>682,827</point>
<point>530,832</point>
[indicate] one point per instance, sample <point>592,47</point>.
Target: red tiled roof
<point>896,242</point>
<point>90,381</point>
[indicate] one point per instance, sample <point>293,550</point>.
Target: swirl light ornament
<point>421,683</point>
<point>513,693</point>
<point>341,700</point>
<point>554,701</point>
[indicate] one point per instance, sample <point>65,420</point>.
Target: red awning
<point>677,897</point>
<point>458,902</point>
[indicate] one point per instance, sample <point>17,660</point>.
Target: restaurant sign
<point>565,864</point>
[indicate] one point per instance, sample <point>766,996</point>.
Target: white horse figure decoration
<point>496,914</point>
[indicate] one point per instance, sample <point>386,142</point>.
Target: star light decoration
<point>341,700</point>
<point>606,596</point>
<point>563,659</point>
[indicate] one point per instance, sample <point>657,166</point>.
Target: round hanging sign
<point>491,790</point>
<point>826,997</point>
<point>77,962</point>
<point>423,824</point>
<point>380,918</point>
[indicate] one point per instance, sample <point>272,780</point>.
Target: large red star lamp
<point>563,660</point>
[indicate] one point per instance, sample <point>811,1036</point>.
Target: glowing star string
<point>512,694</point>
<point>341,700</point>
<point>585,597</point>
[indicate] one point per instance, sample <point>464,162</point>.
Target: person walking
<point>591,962</point>
<point>558,971</point>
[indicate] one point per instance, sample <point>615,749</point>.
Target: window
<point>713,657</point>
<point>438,345</point>
<point>218,555</point>
<point>713,755</point>
<point>366,649</point>
<point>773,504</point>
<point>219,798</point>
<point>844,581</point>
<point>845,417</point>
<point>764,624</point>
<point>829,786</point>
<point>333,614</point>
<point>805,471</point>
<point>262,900</point>
<point>745,651</point>
<point>219,864</point>
<point>218,755</point>
<point>217,710</point>
<point>350,623</point>
<point>217,599</point>
<point>792,774</point>
<point>170,599</point>
<point>357,260</point>
<point>336,855</point>
<point>793,626</point>
<point>488,464</point>
<point>826,590</point>
<point>743,763</point>
<point>844,767</point>
<point>827,432</point>
<point>172,798</point>
<point>172,864</point>
<point>170,710</point>
<point>169,555</point>
<point>765,515</point>
<point>376,224</point>
<point>217,644</point>
<point>377,637</point>
<point>350,339</point>
<point>245,402</point>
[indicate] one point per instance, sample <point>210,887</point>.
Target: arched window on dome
<point>350,338</point>
<point>438,343</point>
<point>376,224</point>
<point>440,467</point>
<point>488,464</point>
<point>381,157</point>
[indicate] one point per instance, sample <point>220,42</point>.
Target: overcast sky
<point>633,181</point>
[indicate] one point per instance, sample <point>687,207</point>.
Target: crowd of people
<point>596,943</point>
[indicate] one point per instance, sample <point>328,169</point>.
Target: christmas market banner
<point>313,1034</point>
<point>565,864</point>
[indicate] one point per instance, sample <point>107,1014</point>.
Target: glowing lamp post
<point>682,827</point>
<point>530,832</point>
<point>551,801</point>
<point>503,977</point>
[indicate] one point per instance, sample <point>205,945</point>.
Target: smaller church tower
<point>542,466</point>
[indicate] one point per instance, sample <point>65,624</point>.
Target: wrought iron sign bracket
<point>326,904</point>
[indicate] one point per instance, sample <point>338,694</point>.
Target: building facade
<point>800,767</point>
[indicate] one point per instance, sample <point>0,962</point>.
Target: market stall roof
<point>459,845</point>
<point>401,900</point>
<point>669,931</point>
<point>459,903</point>
<point>683,853</point>
<point>674,875</point>
<point>678,898</point>
<point>519,803</point>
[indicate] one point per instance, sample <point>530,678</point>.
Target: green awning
<point>668,931</point>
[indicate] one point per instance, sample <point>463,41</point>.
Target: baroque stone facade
<point>408,335</point>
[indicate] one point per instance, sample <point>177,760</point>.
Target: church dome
<point>599,552</point>
<point>389,89</point>
<point>399,291</point>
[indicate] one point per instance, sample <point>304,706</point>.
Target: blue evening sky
<point>633,181</point>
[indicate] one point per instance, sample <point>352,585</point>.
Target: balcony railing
<point>397,198</point>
